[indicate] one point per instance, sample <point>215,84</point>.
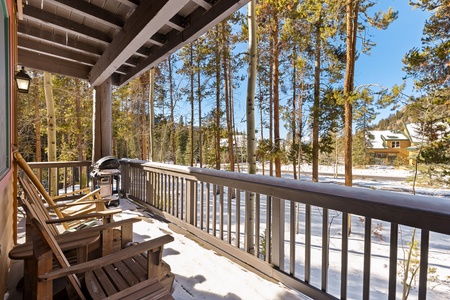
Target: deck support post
<point>102,123</point>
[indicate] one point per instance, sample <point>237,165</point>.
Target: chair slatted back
<point>45,233</point>
<point>32,197</point>
<point>24,166</point>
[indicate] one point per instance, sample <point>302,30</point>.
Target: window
<point>396,144</point>
<point>4,92</point>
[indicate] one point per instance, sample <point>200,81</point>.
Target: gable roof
<point>121,39</point>
<point>414,132</point>
<point>376,139</point>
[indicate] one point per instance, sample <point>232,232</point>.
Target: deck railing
<point>298,232</point>
<point>71,175</point>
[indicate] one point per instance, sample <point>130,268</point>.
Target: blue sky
<point>384,64</point>
<point>382,67</point>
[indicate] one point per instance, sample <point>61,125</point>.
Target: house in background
<point>388,147</point>
<point>413,131</point>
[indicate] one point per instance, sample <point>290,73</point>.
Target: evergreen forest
<point>304,86</point>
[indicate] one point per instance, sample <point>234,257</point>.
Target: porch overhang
<point>121,39</point>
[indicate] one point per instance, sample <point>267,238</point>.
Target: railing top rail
<point>59,164</point>
<point>431,213</point>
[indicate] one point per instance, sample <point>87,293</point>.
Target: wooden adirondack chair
<point>110,239</point>
<point>89,203</point>
<point>131,273</point>
<point>89,242</point>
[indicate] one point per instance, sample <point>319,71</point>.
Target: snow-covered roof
<point>377,138</point>
<point>414,132</point>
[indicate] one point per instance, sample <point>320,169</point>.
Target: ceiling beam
<point>138,28</point>
<point>65,54</point>
<point>178,23</point>
<point>130,3</point>
<point>89,10</point>
<point>203,4</point>
<point>201,21</point>
<point>51,64</point>
<point>61,40</point>
<point>43,16</point>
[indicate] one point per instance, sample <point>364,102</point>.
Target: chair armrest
<point>98,214</point>
<point>84,191</point>
<point>108,259</point>
<point>62,205</point>
<point>103,227</point>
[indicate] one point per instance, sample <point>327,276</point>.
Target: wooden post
<point>102,115</point>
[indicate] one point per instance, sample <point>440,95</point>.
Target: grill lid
<point>104,163</point>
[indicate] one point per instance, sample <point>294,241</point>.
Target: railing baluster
<point>268,233</point>
<point>195,204</point>
<point>175,196</point>
<point>292,238</point>
<point>307,243</point>
<point>182,202</point>
<point>221,212</point>
<point>215,191</point>
<point>169,194</point>
<point>393,262</point>
<point>423,269</point>
<point>325,249</point>
<point>344,255</point>
<point>164,193</point>
<point>229,196</point>
<point>154,186</point>
<point>367,256</point>
<point>208,203</point>
<point>238,219</point>
<point>65,179</point>
<point>202,206</point>
<point>257,224</point>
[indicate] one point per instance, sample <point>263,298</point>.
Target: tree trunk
<point>352,8</point>
<point>261,126</point>
<point>294,108</point>
<point>352,24</point>
<point>199,96</point>
<point>250,110</point>
<point>37,126</point>
<point>51,132</point>
<point>225,58</point>
<point>144,128</point>
<point>217,53</point>
<point>191,78</point>
<point>172,109</point>
<point>151,99</point>
<point>79,135</point>
<point>271,106</point>
<point>300,132</point>
<point>315,149</point>
<point>276,100</point>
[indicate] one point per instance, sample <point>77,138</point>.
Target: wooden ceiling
<point>121,39</point>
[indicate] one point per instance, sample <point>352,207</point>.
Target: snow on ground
<point>201,273</point>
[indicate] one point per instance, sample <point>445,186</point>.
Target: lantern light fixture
<point>22,81</point>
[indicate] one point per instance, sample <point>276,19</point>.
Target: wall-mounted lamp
<point>22,81</point>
